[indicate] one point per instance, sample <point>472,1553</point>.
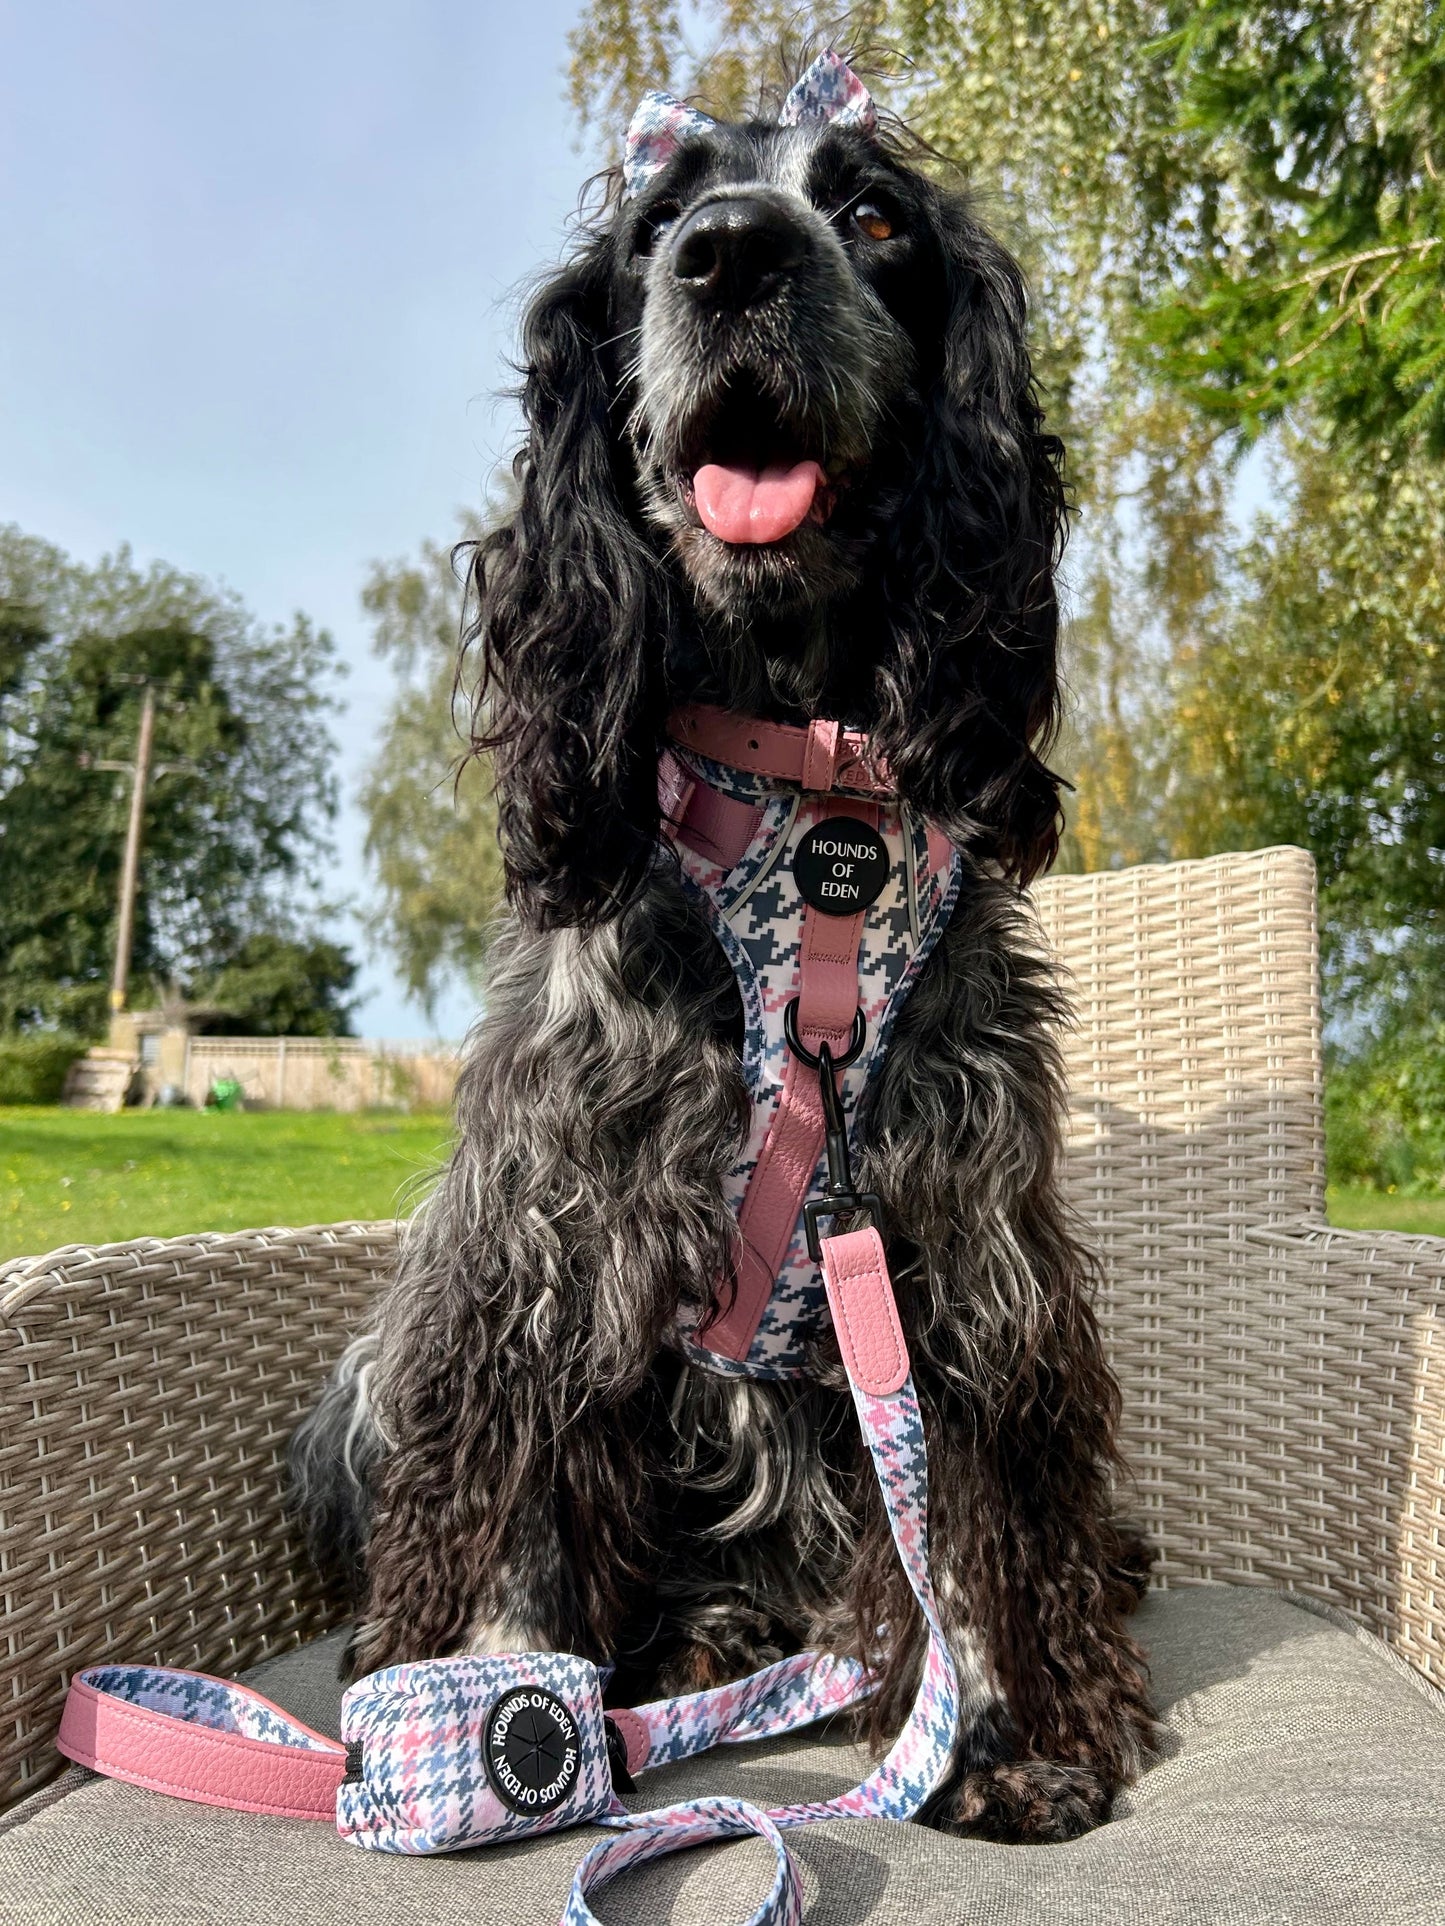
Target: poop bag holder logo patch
<point>841,866</point>
<point>530,1747</point>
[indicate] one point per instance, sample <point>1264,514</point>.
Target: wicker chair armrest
<point>1291,1431</point>
<point>146,1394</point>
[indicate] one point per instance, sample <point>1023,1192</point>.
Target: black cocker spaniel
<point>784,456</point>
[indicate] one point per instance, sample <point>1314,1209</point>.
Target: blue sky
<point>262,268</point>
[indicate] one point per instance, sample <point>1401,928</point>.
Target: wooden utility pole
<point>130,865</point>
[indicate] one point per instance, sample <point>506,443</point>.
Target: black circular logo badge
<point>841,866</point>
<point>532,1750</point>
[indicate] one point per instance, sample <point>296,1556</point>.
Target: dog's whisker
<point>623,334</point>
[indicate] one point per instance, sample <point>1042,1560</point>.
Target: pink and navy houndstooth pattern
<point>198,1699</point>
<point>659,127</point>
<point>756,912</point>
<point>896,1789</point>
<point>829,90</point>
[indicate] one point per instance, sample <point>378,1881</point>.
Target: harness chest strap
<point>412,1781</point>
<point>822,758</point>
<point>827,1005</point>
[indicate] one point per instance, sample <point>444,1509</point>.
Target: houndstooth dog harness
<point>445,1754</point>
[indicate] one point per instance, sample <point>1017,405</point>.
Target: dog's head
<point>785,455</point>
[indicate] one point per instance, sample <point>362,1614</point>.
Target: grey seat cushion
<point>1303,1785</point>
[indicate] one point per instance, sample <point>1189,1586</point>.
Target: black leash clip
<point>839,1197</point>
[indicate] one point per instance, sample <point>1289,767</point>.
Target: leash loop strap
<point>417,1769</point>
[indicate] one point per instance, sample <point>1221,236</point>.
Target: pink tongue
<point>740,505</point>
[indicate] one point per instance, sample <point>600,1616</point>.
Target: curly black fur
<point>940,631</point>
<point>541,1467</point>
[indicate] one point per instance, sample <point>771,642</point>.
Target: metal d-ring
<point>804,1055</point>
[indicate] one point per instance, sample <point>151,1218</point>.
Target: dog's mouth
<point>748,475</point>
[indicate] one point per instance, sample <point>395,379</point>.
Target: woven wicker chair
<point>1284,1383</point>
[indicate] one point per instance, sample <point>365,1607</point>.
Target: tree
<point>1315,714</point>
<point>280,986</point>
<point>232,834</point>
<point>431,824</point>
<point>1323,277</point>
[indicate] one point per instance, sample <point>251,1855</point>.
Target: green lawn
<point>73,1177</point>
<point>1357,1208</point>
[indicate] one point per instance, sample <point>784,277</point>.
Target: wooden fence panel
<point>323,1073</point>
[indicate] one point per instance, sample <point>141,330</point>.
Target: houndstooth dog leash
<point>444,1754</point>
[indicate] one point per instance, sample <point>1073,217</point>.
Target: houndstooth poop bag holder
<point>443,1755</point>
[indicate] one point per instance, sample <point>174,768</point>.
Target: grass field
<point>71,1177</point>
<point>1361,1209</point>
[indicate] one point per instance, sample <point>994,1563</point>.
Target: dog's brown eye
<point>870,219</point>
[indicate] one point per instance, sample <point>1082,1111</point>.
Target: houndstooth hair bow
<point>829,90</point>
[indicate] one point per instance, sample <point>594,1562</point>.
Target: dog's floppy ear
<point>970,693</point>
<point>565,601</point>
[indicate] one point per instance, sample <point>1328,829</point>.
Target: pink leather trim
<point>828,972</point>
<point>770,1207</point>
<point>674,791</point>
<point>940,849</point>
<point>718,827</point>
<point>820,756</point>
<point>636,1735</point>
<point>775,748</point>
<point>783,1175</point>
<point>197,1762</point>
<point>865,1315</point>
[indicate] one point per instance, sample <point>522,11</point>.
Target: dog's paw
<point>1030,1802</point>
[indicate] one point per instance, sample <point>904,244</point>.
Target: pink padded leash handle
<point>865,1313</point>
<point>168,1753</point>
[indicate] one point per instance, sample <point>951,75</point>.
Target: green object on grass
<point>225,1094</point>
<point>79,1177</point>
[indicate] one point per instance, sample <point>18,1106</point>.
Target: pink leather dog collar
<point>822,757</point>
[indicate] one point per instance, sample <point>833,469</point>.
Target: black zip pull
<point>622,1780</point>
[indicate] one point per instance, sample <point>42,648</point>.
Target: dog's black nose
<point>731,253</point>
